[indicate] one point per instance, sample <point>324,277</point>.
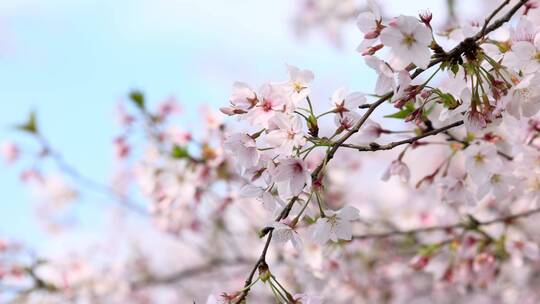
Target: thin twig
<point>495,12</point>
<point>78,177</point>
<point>190,272</point>
<point>504,219</point>
<point>377,147</point>
<point>260,261</point>
<point>499,22</point>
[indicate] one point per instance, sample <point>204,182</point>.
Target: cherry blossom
<point>286,133</point>
<point>523,98</point>
<point>242,99</point>
<point>385,74</point>
<point>291,175</point>
<point>245,147</point>
<point>300,82</point>
<point>482,160</point>
<point>397,168</point>
<point>524,55</point>
<point>284,233</point>
<point>409,40</point>
<point>307,299</point>
<point>369,23</point>
<point>272,99</point>
<point>335,225</point>
<point>10,152</point>
<point>345,102</point>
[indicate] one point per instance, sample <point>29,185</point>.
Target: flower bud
<point>264,272</point>
<point>426,17</point>
<point>419,262</point>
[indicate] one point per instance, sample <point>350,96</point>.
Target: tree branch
<point>189,272</point>
<point>495,25</point>
<point>495,12</point>
<point>260,261</point>
<point>504,219</point>
<point>377,147</point>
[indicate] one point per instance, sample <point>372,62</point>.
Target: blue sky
<point>73,60</point>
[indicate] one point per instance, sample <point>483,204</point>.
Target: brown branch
<point>383,235</point>
<point>495,25</point>
<point>509,219</point>
<point>260,261</point>
<point>377,147</point>
<point>335,146</point>
<point>87,182</point>
<point>495,12</point>
<point>189,272</point>
<point>457,51</point>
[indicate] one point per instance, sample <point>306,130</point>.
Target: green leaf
<point>30,125</point>
<point>470,68</point>
<point>448,101</point>
<point>429,249</point>
<point>500,248</point>
<point>403,113</point>
<point>444,65</point>
<point>455,68</point>
<point>179,152</point>
<point>137,97</point>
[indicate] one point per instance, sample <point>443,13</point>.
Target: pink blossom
<point>10,152</point>
<point>168,107</point>
<point>397,168</point>
<point>242,99</point>
<point>292,174</point>
<point>121,148</point>
<point>273,99</point>
<point>286,133</point>
<point>243,148</point>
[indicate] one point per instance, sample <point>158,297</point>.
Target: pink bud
<point>168,107</point>
<point>397,168</point>
<point>372,50</point>
<point>372,35</point>
<point>123,117</point>
<point>121,148</point>
<point>227,111</point>
<point>530,5</point>
<point>30,174</point>
<point>10,152</point>
<point>426,17</point>
<point>448,275</point>
<point>419,262</point>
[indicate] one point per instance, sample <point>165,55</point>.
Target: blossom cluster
<point>290,187</point>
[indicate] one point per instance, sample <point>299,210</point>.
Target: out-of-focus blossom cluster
<point>328,15</point>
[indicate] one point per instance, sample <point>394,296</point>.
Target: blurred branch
<point>87,182</point>
<point>509,219</point>
<point>191,272</point>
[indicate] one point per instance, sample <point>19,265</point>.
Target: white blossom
<point>409,40</point>
<point>335,225</point>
